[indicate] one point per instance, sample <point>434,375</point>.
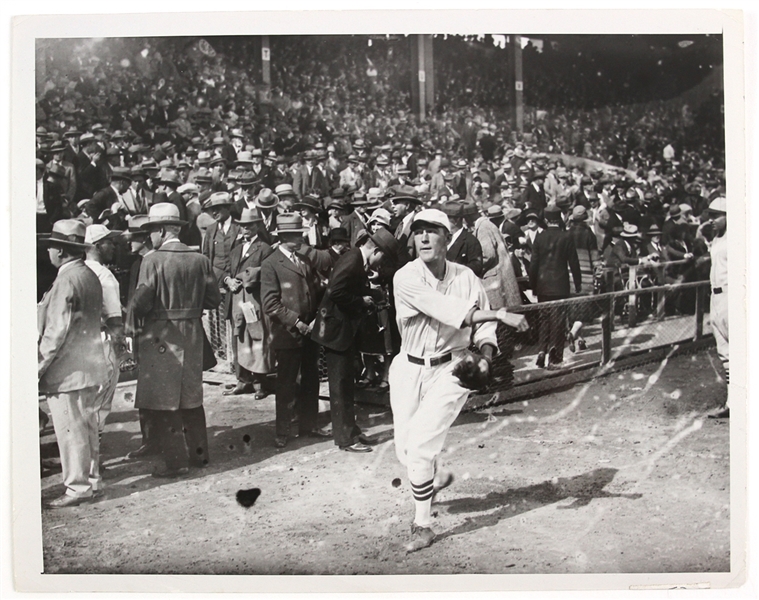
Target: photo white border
<point>26,490</point>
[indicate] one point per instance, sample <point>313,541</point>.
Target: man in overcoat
<point>174,287</point>
<point>252,352</point>
<point>340,317</point>
<point>290,297</point>
<point>70,361</point>
<point>553,256</point>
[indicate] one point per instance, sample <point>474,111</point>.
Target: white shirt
<point>226,225</point>
<point>430,312</point>
<point>110,285</point>
<point>718,252</point>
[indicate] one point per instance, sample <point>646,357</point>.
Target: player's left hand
<point>518,322</point>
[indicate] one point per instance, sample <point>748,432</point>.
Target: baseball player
<point>718,276</point>
<point>442,308</point>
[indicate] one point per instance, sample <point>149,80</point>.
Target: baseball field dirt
<point>624,474</point>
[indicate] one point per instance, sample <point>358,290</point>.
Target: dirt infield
<point>620,475</point>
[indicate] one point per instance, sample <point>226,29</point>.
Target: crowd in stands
<point>123,124</point>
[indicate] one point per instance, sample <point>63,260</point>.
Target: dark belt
<point>717,290</point>
<point>432,362</point>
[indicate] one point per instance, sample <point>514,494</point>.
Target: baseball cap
<point>431,216</point>
<point>97,233</point>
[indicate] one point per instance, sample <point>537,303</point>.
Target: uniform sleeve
<point>413,297</point>
<point>53,333</point>
<point>484,333</point>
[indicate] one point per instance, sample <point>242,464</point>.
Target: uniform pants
<point>290,395</point>
<point>342,391</point>
<point>718,316</point>
<point>75,422</point>
<point>180,435</point>
<point>425,403</point>
<point>104,399</point>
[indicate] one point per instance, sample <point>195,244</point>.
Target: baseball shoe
<point>67,501</point>
<point>421,537</point>
<point>541,362</point>
<point>581,344</point>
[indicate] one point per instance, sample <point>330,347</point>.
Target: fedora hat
<point>218,199</point>
<point>163,213</point>
<point>386,242</point>
<point>339,234</point>
<point>124,173</point>
<point>217,160</point>
<point>579,213</point>
<point>56,147</point>
<point>244,158</point>
<point>134,227</point>
<point>289,223</point>
<point>266,199</point>
<point>309,201</point>
<point>68,233</point>
<point>169,177</point>
<point>249,216</point>
<point>653,230</point>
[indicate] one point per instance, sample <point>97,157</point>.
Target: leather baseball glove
<point>470,372</point>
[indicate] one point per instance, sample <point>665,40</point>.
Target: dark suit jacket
<point>354,225</point>
<point>342,311</point>
<point>288,295</point>
<point>102,199</point>
<point>467,251</point>
<point>211,243</point>
<point>90,178</point>
<point>247,268</point>
<point>553,256</point>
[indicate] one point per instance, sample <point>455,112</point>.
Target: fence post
<point>610,288</point>
<point>607,321</point>
<point>661,303</point>
<point>700,302</point>
<point>632,299</point>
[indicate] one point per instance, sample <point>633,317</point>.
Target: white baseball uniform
<point>426,398</point>
<point>718,312</point>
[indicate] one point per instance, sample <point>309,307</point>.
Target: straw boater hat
<point>630,231</point>
<point>161,214</point>
<point>284,190</point>
<point>289,223</point>
<point>266,199</point>
<point>67,233</point>
<point>249,216</point>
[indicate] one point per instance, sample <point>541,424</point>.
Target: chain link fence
<point>580,333</point>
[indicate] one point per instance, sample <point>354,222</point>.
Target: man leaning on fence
<point>174,287</point>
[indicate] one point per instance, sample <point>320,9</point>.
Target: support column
<point>516,44</point>
<point>265,60</point>
<point>422,75</point>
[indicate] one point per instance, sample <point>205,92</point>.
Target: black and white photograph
<point>360,298</point>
